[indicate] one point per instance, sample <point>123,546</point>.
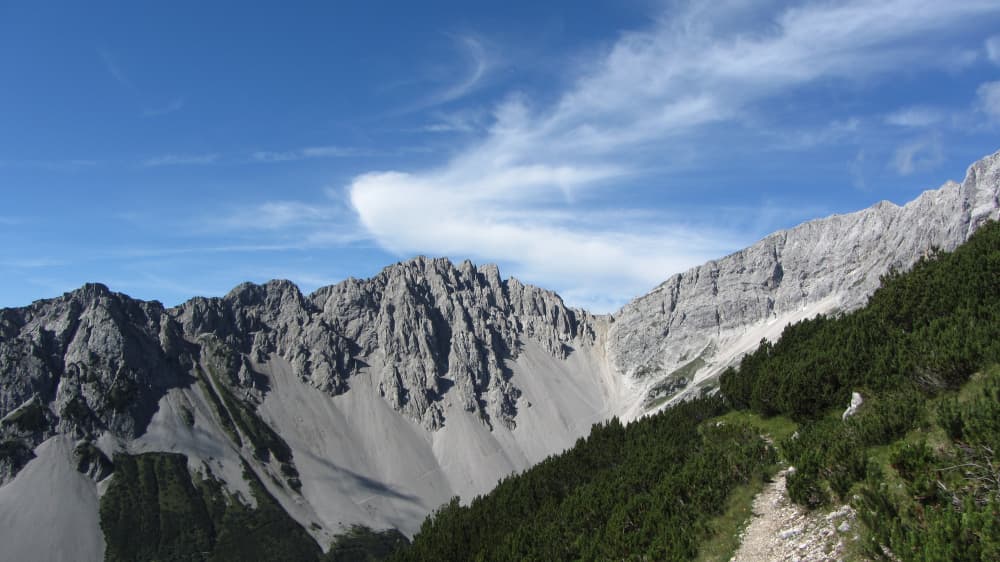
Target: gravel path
<point>781,530</point>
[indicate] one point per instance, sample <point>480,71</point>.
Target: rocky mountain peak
<point>426,327</point>
<point>272,294</point>
<point>87,362</point>
<point>427,332</point>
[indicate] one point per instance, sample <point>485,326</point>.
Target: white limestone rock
<point>822,266</point>
<point>856,402</point>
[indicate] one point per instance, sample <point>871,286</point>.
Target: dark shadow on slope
<point>363,482</point>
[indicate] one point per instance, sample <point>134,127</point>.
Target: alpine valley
<point>276,423</point>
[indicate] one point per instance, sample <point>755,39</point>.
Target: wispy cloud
<point>479,63</point>
<point>171,107</point>
<point>277,215</point>
<point>281,225</point>
<point>69,165</point>
<point>992,46</point>
<point>181,160</point>
<point>920,154</point>
<point>460,121</point>
<point>32,263</point>
<point>693,70</point>
<point>308,153</point>
<point>917,116</point>
<point>857,169</point>
<point>835,131</point>
<point>989,99</point>
<point>453,84</point>
<point>116,72</point>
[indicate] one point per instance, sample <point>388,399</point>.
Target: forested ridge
<point>917,461</point>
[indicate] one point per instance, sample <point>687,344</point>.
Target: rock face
<point>423,328</point>
<point>94,361</point>
<point>427,373</point>
<point>87,362</point>
<point>428,327</point>
<point>821,266</point>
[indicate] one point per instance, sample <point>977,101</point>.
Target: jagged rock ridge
<point>424,327</point>
<point>94,361</point>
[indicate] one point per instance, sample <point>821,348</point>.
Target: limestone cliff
<point>705,318</point>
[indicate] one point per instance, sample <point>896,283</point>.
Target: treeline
<point>643,492</point>
<point>919,459</point>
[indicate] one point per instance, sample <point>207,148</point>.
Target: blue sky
<point>173,149</point>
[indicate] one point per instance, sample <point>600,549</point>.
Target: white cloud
<point>450,83</point>
<point>917,116</point>
<point>989,98</point>
<point>71,165</point>
<point>992,46</point>
<point>111,65</point>
<point>857,169</point>
<point>32,263</point>
<point>180,160</point>
<point>921,154</point>
<point>460,121</point>
<point>307,153</point>
<point>282,225</point>
<point>276,215</point>
<point>656,88</point>
<point>487,221</point>
<point>171,107</point>
<point>833,132</point>
<point>479,64</point>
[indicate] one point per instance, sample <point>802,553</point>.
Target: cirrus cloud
<point>643,99</point>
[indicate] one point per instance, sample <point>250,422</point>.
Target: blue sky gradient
<point>174,149</point>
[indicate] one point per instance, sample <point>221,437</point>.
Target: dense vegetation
<point>154,510</point>
<point>926,330</point>
<point>645,491</point>
<point>361,544</point>
<point>918,461</point>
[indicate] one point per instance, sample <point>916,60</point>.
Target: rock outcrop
<point>822,266</point>
<point>87,362</point>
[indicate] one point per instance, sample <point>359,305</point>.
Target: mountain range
<point>375,401</point>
